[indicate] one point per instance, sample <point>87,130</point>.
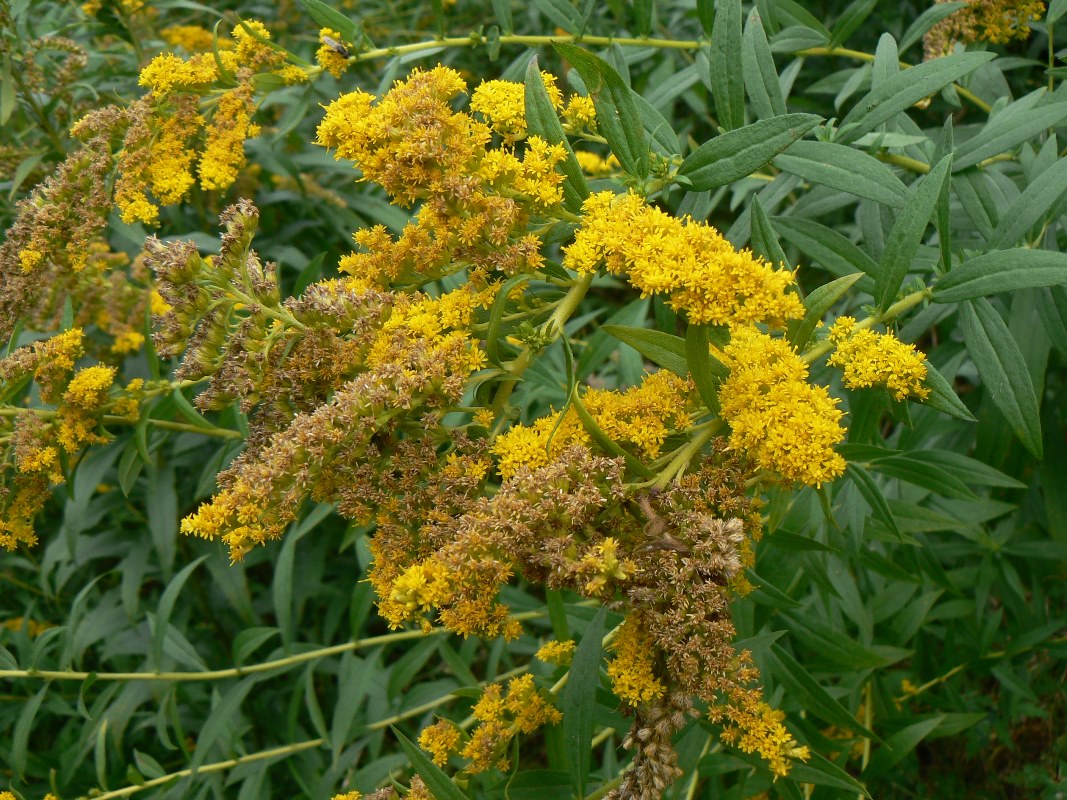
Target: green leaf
<point>967,469</point>
<point>871,492</point>
<point>1007,130</point>
<point>578,700</point>
<point>942,396</point>
<point>661,348</point>
<point>163,515</point>
<point>617,117</point>
<point>727,67</point>
<point>899,745</point>
<point>8,100</point>
<point>165,608</point>
<point>20,737</point>
<point>435,778</point>
<point>188,410</point>
<point>541,120</point>
<point>222,716</point>
<point>926,20</point>
<point>1031,206</point>
<point>763,238</point>
<point>250,640</point>
<point>817,304</point>
<point>707,371</point>
<point>662,135</point>
<point>563,14</point>
<point>1003,369</point>
<point>326,16</point>
<point>846,169</point>
<point>829,248</point>
<point>916,470</point>
<point>805,690</point>
<point>1052,308</point>
<point>1002,271</point>
<point>829,643</point>
<point>904,239</point>
<point>496,315</point>
<point>851,18</point>
<point>761,77</point>
<point>738,153</point>
<point>821,772</point>
<point>905,89</point>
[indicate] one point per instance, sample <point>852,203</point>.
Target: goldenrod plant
<point>596,401</point>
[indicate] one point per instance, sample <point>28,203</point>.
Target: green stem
<point>912,164</point>
<point>218,766</point>
<point>239,672</point>
<point>686,452</point>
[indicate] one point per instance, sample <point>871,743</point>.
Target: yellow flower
<point>703,273</point>
<point>168,73</point>
<point>193,38</point>
<point>440,740</point>
<point>332,55</point>
<point>503,104</point>
<point>631,671</point>
<point>758,729</point>
<point>556,652</point>
<point>88,389</point>
<point>787,426</point>
<point>877,359</point>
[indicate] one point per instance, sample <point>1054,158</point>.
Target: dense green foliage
<point>908,617</point>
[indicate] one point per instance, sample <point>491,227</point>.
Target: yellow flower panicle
<point>877,359</point>
<point>332,54</point>
<point>167,73</point>
<point>632,670</point>
<point>231,125</point>
<point>641,416</point>
<point>692,262</point>
<point>596,165</point>
<point>785,424</point>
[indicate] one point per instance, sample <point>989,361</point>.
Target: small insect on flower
<point>336,46</point>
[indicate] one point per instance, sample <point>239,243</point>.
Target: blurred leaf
<point>738,153</point>
<point>820,772</point>
<point>871,492</point>
<point>166,605</point>
<point>850,20</point>
<point>326,16</point>
<point>1003,370</point>
<point>926,20</point>
<point>1037,199</point>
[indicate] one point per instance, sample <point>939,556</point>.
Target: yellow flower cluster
<point>523,709</point>
<point>785,424</point>
<point>89,387</point>
<point>641,416</point>
<point>193,38</point>
<point>331,54</point>
<point>596,165</point>
<point>440,740</point>
<point>877,359</point>
<point>604,567</point>
<point>632,670</point>
<point>702,272</point>
<point>231,125</point>
<point>353,795</point>
<point>759,729</point>
<point>503,104</point>
<point>556,652</point>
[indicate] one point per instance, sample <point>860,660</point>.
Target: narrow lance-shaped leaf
<point>432,775</point>
<point>1002,271</point>
<point>1031,206</point>
<point>1003,369</point>
<point>707,371</point>
<point>727,67</point>
<point>761,77</point>
<point>871,492</point>
<point>907,233</point>
<point>764,241</point>
<point>579,700</point>
<point>942,397</point>
<point>817,304</point>
<point>905,89</point>
<point>541,120</point>
<point>738,153</point>
<point>618,119</point>
<point>1003,134</point>
<point>844,168</point>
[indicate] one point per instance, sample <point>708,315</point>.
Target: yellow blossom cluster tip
<point>556,652</point>
<point>353,795</point>
<point>440,740</point>
<point>877,359</point>
<point>88,389</point>
<point>787,425</point>
<point>759,729</point>
<point>522,709</point>
<point>333,53</point>
<point>193,38</point>
<point>632,670</point>
<point>692,262</point>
